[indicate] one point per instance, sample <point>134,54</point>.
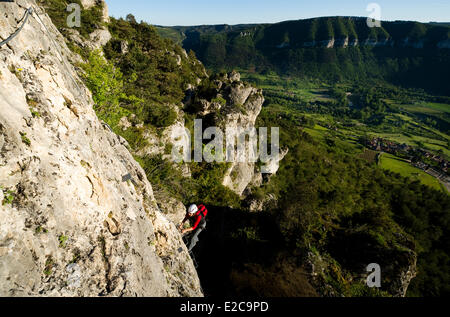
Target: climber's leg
<point>194,239</point>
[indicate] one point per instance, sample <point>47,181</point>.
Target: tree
<point>131,19</point>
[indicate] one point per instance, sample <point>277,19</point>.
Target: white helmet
<point>192,209</point>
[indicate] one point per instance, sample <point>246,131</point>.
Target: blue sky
<point>195,12</point>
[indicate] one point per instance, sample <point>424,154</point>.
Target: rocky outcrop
<point>79,217</point>
<point>272,165</point>
<point>407,274</point>
<point>397,271</point>
<point>234,110</point>
<point>342,42</point>
<point>87,4</point>
<point>243,105</point>
<point>99,38</point>
<point>172,208</point>
<point>238,176</point>
<point>267,203</point>
<point>327,43</point>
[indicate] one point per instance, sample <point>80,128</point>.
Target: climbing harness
<point>24,20</point>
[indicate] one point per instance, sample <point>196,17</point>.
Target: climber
<point>200,213</point>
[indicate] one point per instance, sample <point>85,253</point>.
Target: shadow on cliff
<point>241,254</point>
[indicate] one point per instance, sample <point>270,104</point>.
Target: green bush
<point>159,115</point>
<point>105,81</point>
<point>25,139</point>
<point>8,196</point>
<point>219,100</point>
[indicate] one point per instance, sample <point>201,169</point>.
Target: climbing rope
<point>60,57</point>
<point>27,13</point>
<point>33,12</point>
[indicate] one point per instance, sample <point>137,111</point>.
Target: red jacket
<point>201,213</point>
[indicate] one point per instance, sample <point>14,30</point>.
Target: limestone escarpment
<point>78,216</point>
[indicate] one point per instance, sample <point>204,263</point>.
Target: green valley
<point>329,48</point>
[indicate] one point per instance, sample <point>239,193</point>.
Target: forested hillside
<point>334,49</point>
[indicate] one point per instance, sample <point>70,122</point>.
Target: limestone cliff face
<point>346,42</point>
<point>78,215</point>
